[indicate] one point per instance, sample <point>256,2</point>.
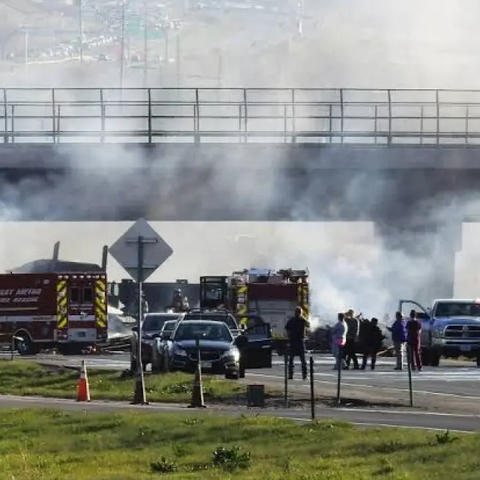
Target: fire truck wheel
<point>24,344</point>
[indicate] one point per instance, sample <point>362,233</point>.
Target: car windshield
<point>154,323</point>
<point>226,318</point>
<point>169,326</point>
<point>456,309</point>
<point>203,331</point>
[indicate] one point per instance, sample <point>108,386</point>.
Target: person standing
<point>339,338</point>
<point>399,337</point>
<point>414,333</point>
<point>296,329</point>
<point>374,339</point>
<point>353,330</point>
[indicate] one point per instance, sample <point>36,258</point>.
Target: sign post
<point>140,251</point>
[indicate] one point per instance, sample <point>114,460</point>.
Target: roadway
<point>452,379</point>
<point>360,417</point>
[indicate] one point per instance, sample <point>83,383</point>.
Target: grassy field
<point>30,378</point>
<point>54,445</point>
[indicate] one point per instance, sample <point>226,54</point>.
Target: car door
<point>257,350</point>
<point>423,316</point>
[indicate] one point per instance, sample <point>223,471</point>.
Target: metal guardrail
<point>330,116</point>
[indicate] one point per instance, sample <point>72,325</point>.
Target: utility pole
<point>122,61</point>
<point>80,26</point>
<point>145,43</point>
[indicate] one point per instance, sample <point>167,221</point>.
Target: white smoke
<point>371,44</point>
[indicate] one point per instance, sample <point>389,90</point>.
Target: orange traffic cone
<point>197,391</point>
<point>83,389</point>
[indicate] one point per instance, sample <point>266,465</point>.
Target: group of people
<point>352,335</point>
<point>407,335</point>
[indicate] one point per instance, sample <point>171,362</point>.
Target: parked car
<point>217,315</point>
<point>220,352</point>
<point>152,326</point>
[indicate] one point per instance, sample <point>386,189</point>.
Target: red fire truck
<point>254,295</point>
<point>55,304</point>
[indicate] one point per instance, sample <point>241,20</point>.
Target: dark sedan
<point>218,352</point>
<point>151,329</point>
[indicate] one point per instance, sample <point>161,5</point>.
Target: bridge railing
<point>240,115</point>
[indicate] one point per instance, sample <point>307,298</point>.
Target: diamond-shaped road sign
<point>155,250</point>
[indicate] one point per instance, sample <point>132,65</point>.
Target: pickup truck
<point>450,328</point>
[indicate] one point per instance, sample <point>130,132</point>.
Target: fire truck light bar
<point>65,277</point>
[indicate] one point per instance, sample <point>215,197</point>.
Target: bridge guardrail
<point>241,115</point>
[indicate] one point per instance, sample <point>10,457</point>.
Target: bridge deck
<point>315,116</point>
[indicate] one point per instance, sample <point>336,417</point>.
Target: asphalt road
<point>360,417</point>
<point>455,379</point>
<point>452,379</point>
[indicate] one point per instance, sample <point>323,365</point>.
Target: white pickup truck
<point>450,328</point>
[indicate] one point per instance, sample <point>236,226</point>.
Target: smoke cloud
<point>373,44</point>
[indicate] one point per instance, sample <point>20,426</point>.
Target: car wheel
<point>232,375</point>
<point>434,360</point>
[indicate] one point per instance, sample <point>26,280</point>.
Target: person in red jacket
<point>414,331</point>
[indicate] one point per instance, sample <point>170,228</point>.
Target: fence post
<point>102,117</point>
<point>294,126</point>
<point>437,106</point>
<point>342,118</point>
<point>149,93</point>
<point>196,117</point>
<point>312,389</point>
<point>422,115</point>
<point>339,374</point>
<point>389,94</point>
<point>5,111</point>
<point>285,392</point>
<point>467,114</point>
<point>12,124</point>
<point>54,135</point>
<point>245,113</point>
<point>409,369</point>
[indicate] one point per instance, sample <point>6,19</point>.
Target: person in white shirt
<point>339,338</point>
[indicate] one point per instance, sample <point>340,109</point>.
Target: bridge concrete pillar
<point>418,260</point>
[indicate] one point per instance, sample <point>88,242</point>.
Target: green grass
<point>51,445</point>
<point>30,378</point>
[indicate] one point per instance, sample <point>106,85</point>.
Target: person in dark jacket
<point>363,336</point>
<point>414,331</point>
<point>351,345</point>
<point>296,329</point>
<point>399,337</point>
<point>373,343</point>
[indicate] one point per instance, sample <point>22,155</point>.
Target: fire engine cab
<point>258,295</point>
<point>55,304</point>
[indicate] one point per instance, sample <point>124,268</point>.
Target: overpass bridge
<point>407,160</point>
